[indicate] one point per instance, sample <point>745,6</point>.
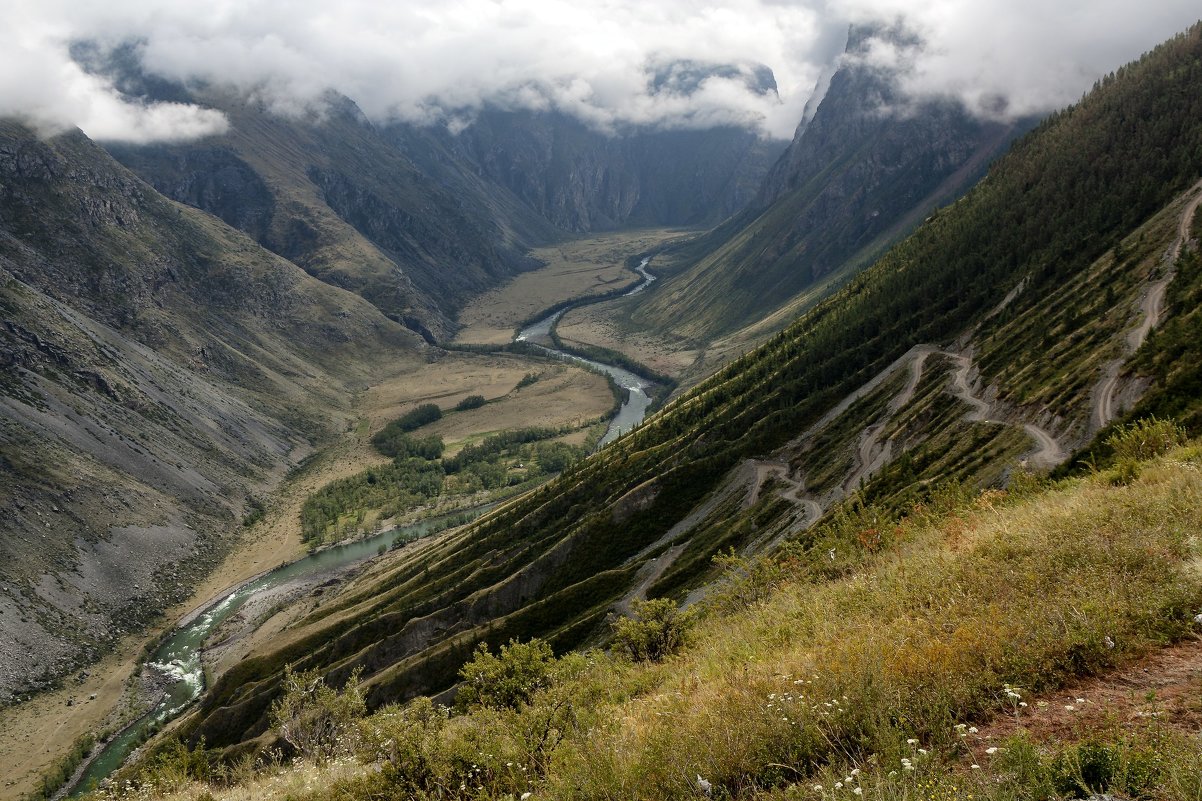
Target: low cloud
<point>41,85</point>
<point>1010,58</point>
<point>602,61</point>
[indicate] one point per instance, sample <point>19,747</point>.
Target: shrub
<point>317,720</point>
<point>1146,438</point>
<point>255,510</point>
<point>175,765</point>
<point>411,420</point>
<point>555,457</point>
<point>400,445</point>
<point>527,380</point>
<point>470,402</point>
<point>656,631</point>
<point>509,678</point>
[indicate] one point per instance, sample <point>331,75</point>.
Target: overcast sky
<point>436,61</point>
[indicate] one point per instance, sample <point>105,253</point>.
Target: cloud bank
<point>601,61</point>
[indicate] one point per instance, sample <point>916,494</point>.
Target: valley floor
<point>578,268</point>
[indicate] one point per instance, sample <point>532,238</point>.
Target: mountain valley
<point>925,385</point>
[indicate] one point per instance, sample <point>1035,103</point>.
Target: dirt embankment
<point>1162,686</point>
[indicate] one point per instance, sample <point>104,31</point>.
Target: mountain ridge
<point>165,369</point>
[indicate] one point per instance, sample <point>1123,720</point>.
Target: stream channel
<point>634,408</point>
<point>178,658</point>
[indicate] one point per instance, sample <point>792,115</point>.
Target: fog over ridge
<point>602,62</point>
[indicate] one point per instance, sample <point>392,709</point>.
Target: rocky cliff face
<point>157,368</point>
<point>864,170</point>
<point>582,180</point>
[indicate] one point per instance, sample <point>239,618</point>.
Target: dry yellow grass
<point>921,636</point>
<point>597,325</point>
<point>276,785</point>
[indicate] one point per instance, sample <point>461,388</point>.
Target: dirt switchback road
<point>1150,309</point>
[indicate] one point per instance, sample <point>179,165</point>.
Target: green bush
<point>470,402</point>
<point>175,764</point>
<point>411,420</point>
<point>316,720</point>
<point>555,457</point>
<point>656,631</point>
<point>400,445</point>
<point>255,510</point>
<point>1145,439</point>
<point>509,678</point>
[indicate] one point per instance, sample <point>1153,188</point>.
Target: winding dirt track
<point>648,575</point>
<point>871,455</point>
<point>1150,309</point>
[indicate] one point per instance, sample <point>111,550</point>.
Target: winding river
<point>178,659</point>
<point>637,401</point>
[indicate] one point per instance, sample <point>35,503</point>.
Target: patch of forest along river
<point>178,659</point>
<point>634,407</point>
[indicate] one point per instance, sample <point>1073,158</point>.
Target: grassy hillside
<point>650,510</point>
<point>920,657</point>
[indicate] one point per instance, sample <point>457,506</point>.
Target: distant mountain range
<point>865,167</point>
<point>417,220</point>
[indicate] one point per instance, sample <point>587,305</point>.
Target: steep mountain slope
<point>156,369</point>
<point>582,180</point>
<point>333,196</point>
<point>860,173</point>
<point>417,219</point>
<point>971,346</point>
<point>1028,643</point>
